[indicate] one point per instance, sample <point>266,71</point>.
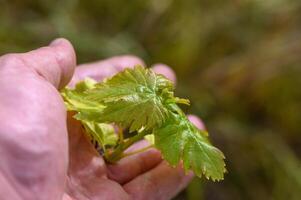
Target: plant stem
<point>137,151</point>
<point>120,134</point>
<point>117,154</point>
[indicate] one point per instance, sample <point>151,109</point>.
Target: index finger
<point>104,68</point>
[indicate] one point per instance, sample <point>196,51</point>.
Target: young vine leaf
<point>143,102</point>
<point>101,133</point>
<point>133,98</point>
<point>75,100</point>
<point>178,139</point>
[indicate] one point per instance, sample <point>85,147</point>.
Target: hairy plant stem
<point>118,153</point>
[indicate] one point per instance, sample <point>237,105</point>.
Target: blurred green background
<point>239,61</point>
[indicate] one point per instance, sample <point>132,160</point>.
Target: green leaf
<point>85,85</point>
<point>134,98</point>
<point>178,139</point>
<point>75,100</point>
<point>150,138</point>
<point>103,134</point>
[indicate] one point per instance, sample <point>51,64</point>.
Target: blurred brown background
<point>239,61</point>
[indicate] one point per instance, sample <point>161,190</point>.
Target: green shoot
<point>142,102</point>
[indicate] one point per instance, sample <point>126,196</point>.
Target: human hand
<point>35,160</point>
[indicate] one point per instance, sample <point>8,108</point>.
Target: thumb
<point>55,63</point>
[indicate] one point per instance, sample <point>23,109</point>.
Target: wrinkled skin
<point>45,156</point>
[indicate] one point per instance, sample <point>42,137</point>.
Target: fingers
<point>125,61</point>
<point>132,166</point>
<point>162,182</point>
<point>166,71</point>
<point>109,67</point>
<point>105,68</point>
<point>197,122</point>
<point>55,63</point>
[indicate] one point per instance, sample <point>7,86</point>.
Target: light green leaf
<point>150,138</point>
<point>103,134</point>
<point>134,98</point>
<point>178,139</point>
<point>75,100</point>
<point>85,85</point>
